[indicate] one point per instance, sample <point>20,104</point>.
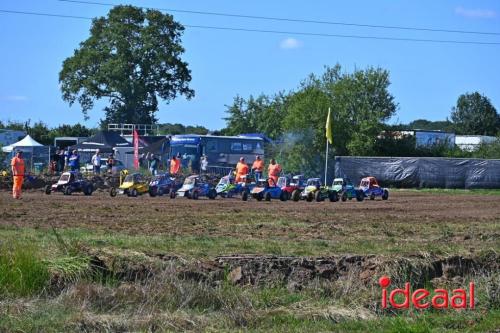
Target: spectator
<point>109,163</point>
<point>154,164</point>
<point>74,161</point>
<point>96,162</point>
<point>204,164</point>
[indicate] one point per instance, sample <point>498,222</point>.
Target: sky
<point>426,78</point>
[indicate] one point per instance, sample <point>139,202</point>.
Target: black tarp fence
<point>421,172</point>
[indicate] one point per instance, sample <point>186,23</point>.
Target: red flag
<point>136,150</point>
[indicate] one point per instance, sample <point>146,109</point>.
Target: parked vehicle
<point>70,182</point>
<point>346,190</point>
<point>267,189</point>
<point>315,190</point>
<point>371,189</point>
<point>293,186</point>
<point>162,184</point>
<point>194,187</point>
<point>132,185</point>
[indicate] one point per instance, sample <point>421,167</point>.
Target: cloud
<point>290,43</point>
<point>14,98</point>
<point>475,13</point>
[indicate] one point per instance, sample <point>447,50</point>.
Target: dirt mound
<point>295,272</point>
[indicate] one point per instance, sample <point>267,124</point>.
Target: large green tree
<point>132,58</point>
<point>474,114</point>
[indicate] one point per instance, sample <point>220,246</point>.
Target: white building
<point>472,142</point>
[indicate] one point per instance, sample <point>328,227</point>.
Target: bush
<point>22,273</point>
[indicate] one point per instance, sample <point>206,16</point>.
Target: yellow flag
<point>329,135</point>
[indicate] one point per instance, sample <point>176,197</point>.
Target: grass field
<point>49,279</point>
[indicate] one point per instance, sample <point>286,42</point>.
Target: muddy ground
<point>408,222</point>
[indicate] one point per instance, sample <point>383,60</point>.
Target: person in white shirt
<point>204,164</point>
<point>96,162</point>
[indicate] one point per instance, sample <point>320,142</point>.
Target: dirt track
<point>419,219</point>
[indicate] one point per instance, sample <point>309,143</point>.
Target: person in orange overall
<point>241,170</point>
<point>17,165</point>
<point>258,167</point>
<point>273,172</point>
<point>175,165</point>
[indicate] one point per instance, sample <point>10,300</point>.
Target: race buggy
<point>266,189</point>
<point>315,190</point>
<point>70,182</point>
<point>163,184</point>
<point>371,189</point>
<point>132,186</point>
<point>293,186</point>
<point>194,187</point>
<point>227,187</point>
<point>346,190</point>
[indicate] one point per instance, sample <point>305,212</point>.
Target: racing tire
<point>360,196</point>
<point>88,190</point>
<point>67,190</point>
<point>195,195</point>
<point>153,192</point>
<point>212,194</point>
<point>133,192</point>
<point>284,196</point>
<point>112,192</point>
<point>310,197</point>
<point>259,196</point>
<point>372,196</point>
<point>267,196</point>
<point>244,196</point>
<point>333,196</point>
<point>385,196</point>
<point>318,197</point>
<point>344,197</point>
<point>172,195</point>
<point>48,189</point>
<point>296,195</point>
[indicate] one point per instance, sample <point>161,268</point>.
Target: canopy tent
<point>26,142</point>
<point>34,152</point>
<point>105,141</point>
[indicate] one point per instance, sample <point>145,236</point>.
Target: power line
<point>278,31</point>
<point>284,19</point>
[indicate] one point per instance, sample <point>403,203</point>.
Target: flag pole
<point>328,136</point>
<point>326,161</point>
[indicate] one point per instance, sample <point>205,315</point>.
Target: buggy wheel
<point>318,197</point>
<point>172,194</point>
<point>360,196</point>
<point>310,197</point>
<point>333,196</point>
<point>344,196</point>
<point>372,196</point>
<point>212,194</point>
<point>48,189</point>
<point>88,189</point>
<point>244,196</point>
<point>153,191</point>
<point>296,195</point>
<point>133,192</point>
<point>284,196</point>
<point>67,190</point>
<point>259,196</point>
<point>385,196</point>
<point>267,196</point>
<point>194,196</point>
<point>112,191</point>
